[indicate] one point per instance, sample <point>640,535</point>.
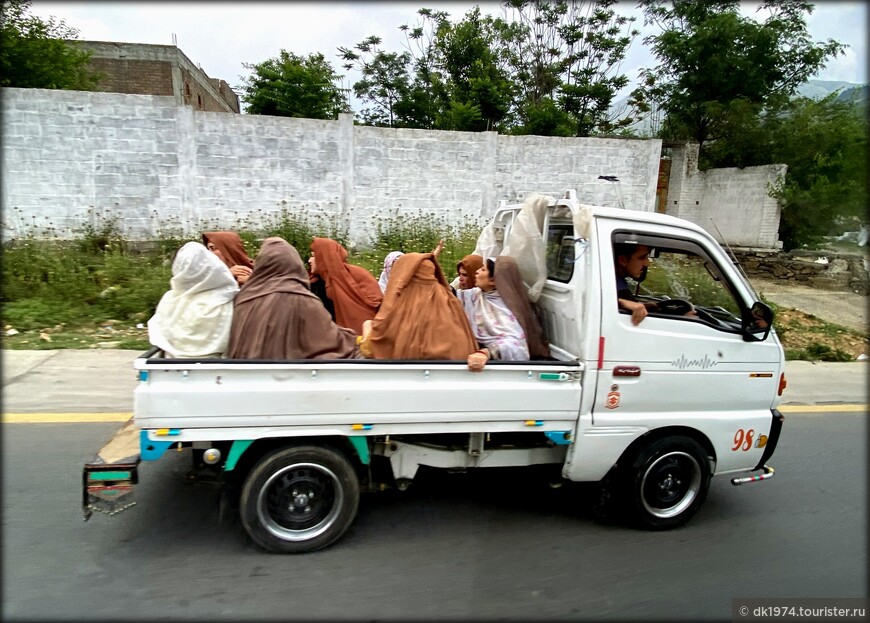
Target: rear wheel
<point>299,499</point>
<point>667,482</point>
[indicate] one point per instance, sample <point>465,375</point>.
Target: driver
<point>632,260</point>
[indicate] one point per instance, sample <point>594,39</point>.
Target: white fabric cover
<point>193,318</point>
<point>488,245</point>
<point>525,243</point>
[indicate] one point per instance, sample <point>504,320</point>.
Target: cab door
<point>678,368</point>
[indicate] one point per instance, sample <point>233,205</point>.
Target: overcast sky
<point>220,36</point>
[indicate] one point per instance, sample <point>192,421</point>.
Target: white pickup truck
<point>650,411</point>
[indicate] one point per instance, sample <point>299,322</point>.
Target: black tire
<point>667,483</point>
<point>299,499</point>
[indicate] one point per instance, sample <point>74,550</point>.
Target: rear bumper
<point>109,478</point>
<point>772,438</point>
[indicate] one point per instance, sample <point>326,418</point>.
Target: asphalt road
<point>474,546</point>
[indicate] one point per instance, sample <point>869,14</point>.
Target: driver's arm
<point>638,310</point>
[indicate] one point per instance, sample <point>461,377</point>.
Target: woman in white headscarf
<point>193,318</point>
<point>388,267</point>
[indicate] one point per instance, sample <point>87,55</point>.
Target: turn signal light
<point>782,384</point>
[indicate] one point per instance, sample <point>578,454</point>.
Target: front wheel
<point>299,499</point>
<point>667,482</point>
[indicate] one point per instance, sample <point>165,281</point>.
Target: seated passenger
<point>193,318</point>
<point>388,267</point>
<point>228,246</point>
<point>466,269</point>
<point>420,317</point>
<point>277,316</point>
<point>502,319</point>
<point>353,290</point>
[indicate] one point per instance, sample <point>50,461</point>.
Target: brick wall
<point>732,204</point>
<point>147,69</point>
<point>158,166</point>
<point>132,76</point>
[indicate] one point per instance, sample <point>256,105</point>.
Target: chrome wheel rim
<point>670,484</point>
<point>300,501</point>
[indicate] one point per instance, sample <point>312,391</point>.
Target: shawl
<point>493,325</point>
<point>420,317</point>
<point>388,267</point>
<point>509,283</point>
<point>193,318</point>
<point>353,290</point>
<point>231,247</point>
<point>471,263</point>
<point>277,317</point>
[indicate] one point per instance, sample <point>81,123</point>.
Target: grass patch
<point>97,291</point>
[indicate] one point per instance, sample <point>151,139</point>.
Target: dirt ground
<point>805,315</point>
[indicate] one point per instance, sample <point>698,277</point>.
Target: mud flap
<point>109,478</point>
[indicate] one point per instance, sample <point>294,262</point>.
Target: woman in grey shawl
<point>276,316</point>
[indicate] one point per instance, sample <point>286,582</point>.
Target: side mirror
<point>757,322</point>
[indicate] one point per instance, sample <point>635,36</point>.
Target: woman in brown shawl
<point>228,246</point>
<point>420,317</point>
<point>354,292</point>
<point>277,317</point>
<point>515,294</point>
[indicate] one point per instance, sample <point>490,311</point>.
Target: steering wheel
<point>677,307</point>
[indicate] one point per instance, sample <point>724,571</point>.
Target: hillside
<point>815,89</point>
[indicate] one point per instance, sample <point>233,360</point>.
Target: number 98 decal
<point>743,440</point>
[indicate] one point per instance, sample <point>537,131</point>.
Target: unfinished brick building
<point>147,69</point>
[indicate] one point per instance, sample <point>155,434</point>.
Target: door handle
<point>626,371</point>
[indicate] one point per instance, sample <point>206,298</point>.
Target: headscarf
<point>388,267</point>
<point>352,289</point>
<point>230,244</point>
<point>420,318</point>
<point>471,263</point>
<point>277,317</point>
<point>509,283</point>
<point>193,318</point>
<point>493,324</point>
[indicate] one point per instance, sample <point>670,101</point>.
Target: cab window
<point>684,284</point>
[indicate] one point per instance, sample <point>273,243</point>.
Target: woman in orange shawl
<point>275,316</point>
<point>467,269</point>
<point>228,246</point>
<point>420,317</point>
<point>354,292</point>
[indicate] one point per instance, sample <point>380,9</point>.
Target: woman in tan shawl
<point>228,246</point>
<point>354,292</point>
<point>466,269</point>
<point>420,317</point>
<point>277,317</point>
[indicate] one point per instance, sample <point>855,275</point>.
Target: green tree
<point>479,92</point>
<point>569,52</point>
<point>824,144</point>
<point>294,86</point>
<point>385,83</point>
<point>34,53</point>
<point>718,69</point>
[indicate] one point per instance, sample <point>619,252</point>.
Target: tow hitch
<point>768,473</point>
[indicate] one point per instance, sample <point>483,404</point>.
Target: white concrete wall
<point>736,201</point>
<point>157,167</point>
